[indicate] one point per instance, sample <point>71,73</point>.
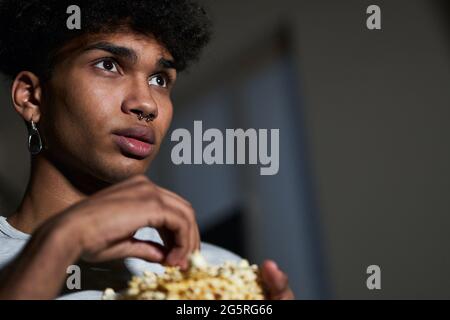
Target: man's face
<point>91,107</point>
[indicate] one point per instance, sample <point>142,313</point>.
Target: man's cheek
<point>99,104</point>
<point>166,120</point>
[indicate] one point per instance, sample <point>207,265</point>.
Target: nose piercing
<point>148,118</point>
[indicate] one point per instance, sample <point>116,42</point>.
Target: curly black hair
<point>32,31</point>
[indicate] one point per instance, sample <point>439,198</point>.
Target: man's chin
<point>118,173</point>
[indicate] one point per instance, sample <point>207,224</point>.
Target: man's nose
<point>140,102</point>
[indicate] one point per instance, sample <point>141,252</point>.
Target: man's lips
<point>135,141</point>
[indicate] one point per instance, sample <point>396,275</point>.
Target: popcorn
<point>229,281</point>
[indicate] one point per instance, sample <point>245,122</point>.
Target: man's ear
<point>26,94</point>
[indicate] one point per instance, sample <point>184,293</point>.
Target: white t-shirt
<point>96,278</point>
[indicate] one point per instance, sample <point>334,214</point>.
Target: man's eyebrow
<point>119,51</point>
<point>128,53</point>
<point>167,64</point>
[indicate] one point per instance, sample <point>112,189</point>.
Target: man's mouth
<point>137,142</point>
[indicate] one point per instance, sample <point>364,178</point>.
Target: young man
<point>97,104</point>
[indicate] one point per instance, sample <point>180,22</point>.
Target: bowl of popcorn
<point>201,281</point>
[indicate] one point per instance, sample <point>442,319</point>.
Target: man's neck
<point>48,193</point>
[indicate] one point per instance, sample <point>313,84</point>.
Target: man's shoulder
<point>9,248</point>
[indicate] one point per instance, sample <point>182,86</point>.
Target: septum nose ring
<point>147,118</point>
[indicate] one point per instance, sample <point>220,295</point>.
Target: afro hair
<point>32,31</point>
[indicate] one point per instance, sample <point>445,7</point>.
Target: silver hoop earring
<point>34,139</point>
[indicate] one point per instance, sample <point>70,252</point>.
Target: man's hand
<point>101,228</point>
<point>105,223</point>
<point>275,282</point>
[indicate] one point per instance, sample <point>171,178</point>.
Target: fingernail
<point>275,265</point>
<point>159,255</point>
<point>184,264</point>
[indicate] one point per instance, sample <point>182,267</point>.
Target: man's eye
<point>107,65</point>
<point>158,80</point>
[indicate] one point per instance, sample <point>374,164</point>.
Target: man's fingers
<point>179,234</point>
<point>187,211</point>
<point>275,281</point>
<point>138,203</point>
<point>130,248</point>
<point>173,194</point>
<point>274,278</point>
<point>160,214</point>
<point>174,205</point>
